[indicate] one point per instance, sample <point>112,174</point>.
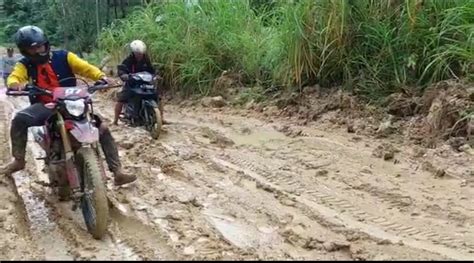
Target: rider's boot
<point>12,167</point>
<point>120,177</point>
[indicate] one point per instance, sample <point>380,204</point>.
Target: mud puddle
<point>240,234</point>
<point>140,237</point>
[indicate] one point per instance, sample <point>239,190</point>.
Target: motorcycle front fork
<point>71,171</point>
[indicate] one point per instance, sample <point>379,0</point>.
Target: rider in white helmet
<point>138,48</point>
<point>137,61</point>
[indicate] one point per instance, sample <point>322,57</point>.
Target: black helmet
<point>32,36</point>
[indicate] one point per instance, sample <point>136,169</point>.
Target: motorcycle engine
<point>56,170</point>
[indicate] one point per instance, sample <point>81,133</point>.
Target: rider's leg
<point>123,97</point>
<point>161,107</point>
<point>117,111</point>
<point>34,115</point>
<point>109,147</point>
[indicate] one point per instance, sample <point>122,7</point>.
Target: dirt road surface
<point>224,184</point>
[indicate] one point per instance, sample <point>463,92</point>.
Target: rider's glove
<point>102,81</point>
<point>28,87</point>
<point>17,86</point>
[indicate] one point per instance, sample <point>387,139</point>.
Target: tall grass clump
<point>409,44</point>
<point>314,35</point>
<point>372,47</point>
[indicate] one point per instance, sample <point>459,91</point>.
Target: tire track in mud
<point>324,202</point>
<point>43,227</point>
<point>328,198</point>
<point>390,193</point>
<point>210,163</point>
<point>393,200</point>
<point>228,210</point>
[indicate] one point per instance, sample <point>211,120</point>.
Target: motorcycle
<point>70,139</point>
<point>142,109</point>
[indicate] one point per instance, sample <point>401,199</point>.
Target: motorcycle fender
<point>85,132</point>
<point>150,103</point>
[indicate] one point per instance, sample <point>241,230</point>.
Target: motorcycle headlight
<point>75,107</point>
<point>148,86</point>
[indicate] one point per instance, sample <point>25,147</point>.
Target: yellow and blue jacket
<point>65,65</point>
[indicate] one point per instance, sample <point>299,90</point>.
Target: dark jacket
<point>131,65</point>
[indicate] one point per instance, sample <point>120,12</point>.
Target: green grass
<point>373,48</point>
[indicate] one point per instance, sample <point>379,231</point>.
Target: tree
<point>68,23</point>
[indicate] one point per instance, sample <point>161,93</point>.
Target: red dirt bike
<point>70,138</point>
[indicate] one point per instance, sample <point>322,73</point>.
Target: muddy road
<point>226,184</point>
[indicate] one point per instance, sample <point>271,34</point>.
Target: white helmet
<point>137,46</point>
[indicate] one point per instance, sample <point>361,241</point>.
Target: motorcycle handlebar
<point>16,93</point>
<point>95,88</point>
<point>131,76</point>
<point>35,90</point>
<point>28,90</point>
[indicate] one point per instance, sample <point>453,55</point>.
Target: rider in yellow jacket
<point>79,66</point>
<point>48,70</point>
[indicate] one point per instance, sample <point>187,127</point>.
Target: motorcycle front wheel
<point>153,121</point>
<point>94,202</point>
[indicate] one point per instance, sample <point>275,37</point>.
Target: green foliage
<point>371,47</point>
<point>20,13</point>
<point>69,24</point>
<point>410,44</point>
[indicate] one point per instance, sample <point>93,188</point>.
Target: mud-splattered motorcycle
<point>70,139</point>
<point>143,109</point>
